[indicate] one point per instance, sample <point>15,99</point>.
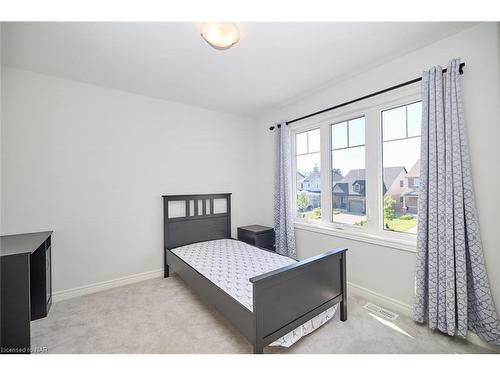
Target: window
<point>368,153</point>
<point>308,161</point>
<point>401,160</point>
<point>348,172</point>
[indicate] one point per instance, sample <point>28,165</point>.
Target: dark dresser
<point>257,235</point>
<point>26,287</point>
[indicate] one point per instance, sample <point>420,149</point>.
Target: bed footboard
<point>288,297</point>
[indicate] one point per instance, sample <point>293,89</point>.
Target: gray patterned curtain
<point>283,204</point>
<point>452,290</point>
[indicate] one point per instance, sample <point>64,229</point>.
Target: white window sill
<point>358,235</point>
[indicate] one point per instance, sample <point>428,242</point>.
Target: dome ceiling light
<point>220,35</point>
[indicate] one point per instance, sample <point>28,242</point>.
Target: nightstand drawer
<point>265,240</point>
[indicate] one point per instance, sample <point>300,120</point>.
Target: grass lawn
<point>311,215</point>
<point>401,225</point>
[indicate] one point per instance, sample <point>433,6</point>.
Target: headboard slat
<point>196,207</point>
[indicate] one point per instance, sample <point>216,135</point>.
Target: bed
<point>266,296</point>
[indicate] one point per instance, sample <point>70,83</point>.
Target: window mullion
<point>373,166</point>
<point>326,174</point>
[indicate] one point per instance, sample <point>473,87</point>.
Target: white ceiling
<point>272,63</point>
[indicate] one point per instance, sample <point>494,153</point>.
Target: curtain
<point>452,291</point>
<point>283,203</point>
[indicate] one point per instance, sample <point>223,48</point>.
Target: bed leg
<point>166,271</point>
<point>258,348</point>
<point>343,310</point>
<point>166,268</point>
<point>343,272</point>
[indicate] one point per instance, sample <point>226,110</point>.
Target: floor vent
<point>380,311</point>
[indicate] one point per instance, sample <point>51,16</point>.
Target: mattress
<point>230,264</point>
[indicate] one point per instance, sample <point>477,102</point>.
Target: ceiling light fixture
<point>220,35</point>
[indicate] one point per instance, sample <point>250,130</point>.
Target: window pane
<point>394,123</point>
<point>349,186</point>
<point>401,153</point>
<point>314,140</point>
<point>301,143</point>
<point>348,173</point>
<point>307,162</point>
<point>357,132</point>
<point>401,170</point>
<point>309,186</point>
<point>339,135</point>
<point>414,119</point>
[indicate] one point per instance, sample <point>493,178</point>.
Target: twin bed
<point>269,298</point>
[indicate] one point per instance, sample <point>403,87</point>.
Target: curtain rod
<point>460,70</point>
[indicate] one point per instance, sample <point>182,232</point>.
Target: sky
<point>396,125</point>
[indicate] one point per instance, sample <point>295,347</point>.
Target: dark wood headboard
<point>195,219</point>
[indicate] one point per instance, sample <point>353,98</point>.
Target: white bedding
<point>230,264</point>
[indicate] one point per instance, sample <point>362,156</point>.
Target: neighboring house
<point>311,185</point>
<point>409,198</point>
<point>300,179</point>
<point>395,184</point>
<point>349,192</point>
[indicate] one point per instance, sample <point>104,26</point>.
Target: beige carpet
<point>165,316</point>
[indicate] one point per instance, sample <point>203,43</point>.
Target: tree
<point>302,201</point>
<point>337,171</point>
<point>389,208</point>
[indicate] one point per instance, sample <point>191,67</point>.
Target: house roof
<point>337,177</point>
<point>314,175</point>
<point>390,174</point>
<point>346,184</point>
<point>415,170</point>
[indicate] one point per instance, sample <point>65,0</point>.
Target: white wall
<point>1,159</point>
<point>384,270</point>
<point>92,163</point>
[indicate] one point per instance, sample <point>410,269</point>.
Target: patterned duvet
<point>230,264</point>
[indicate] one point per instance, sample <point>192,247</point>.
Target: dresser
<point>26,287</point>
<point>257,235</point>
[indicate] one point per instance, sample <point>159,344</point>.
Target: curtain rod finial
<point>275,126</point>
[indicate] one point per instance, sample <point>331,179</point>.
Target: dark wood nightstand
<point>26,287</point>
<point>257,235</point>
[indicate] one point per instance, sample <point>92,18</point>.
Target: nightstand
<point>257,235</point>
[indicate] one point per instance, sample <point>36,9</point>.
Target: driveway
<point>346,218</point>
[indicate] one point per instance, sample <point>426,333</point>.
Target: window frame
<point>393,234</point>
<point>293,135</point>
<point>340,225</point>
<point>371,109</point>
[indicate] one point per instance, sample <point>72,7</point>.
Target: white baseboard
<point>105,285</point>
<point>476,340</point>
<point>391,303</point>
<point>405,309</point>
